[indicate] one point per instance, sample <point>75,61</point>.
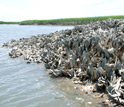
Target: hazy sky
<point>18,10</point>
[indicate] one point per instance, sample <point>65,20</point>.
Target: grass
<point>65,21</point>
<point>2,22</point>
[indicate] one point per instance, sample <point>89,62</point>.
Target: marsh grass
<point>2,22</point>
<point>65,21</point>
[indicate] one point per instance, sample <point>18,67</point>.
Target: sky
<point>19,10</point>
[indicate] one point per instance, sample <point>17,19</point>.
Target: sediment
<point>93,52</point>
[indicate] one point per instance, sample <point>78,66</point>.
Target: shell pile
<point>93,51</point>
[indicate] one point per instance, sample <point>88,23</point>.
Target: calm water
<point>29,85</point>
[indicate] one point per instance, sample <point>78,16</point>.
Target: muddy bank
<point>89,54</point>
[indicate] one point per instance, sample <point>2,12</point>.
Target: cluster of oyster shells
<point>93,51</point>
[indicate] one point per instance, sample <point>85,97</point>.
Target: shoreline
<point>64,21</point>
<point>91,53</point>
<point>40,25</point>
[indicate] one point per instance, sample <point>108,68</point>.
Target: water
<point>29,85</point>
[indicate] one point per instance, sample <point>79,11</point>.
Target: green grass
<point>65,21</point>
<point>2,22</point>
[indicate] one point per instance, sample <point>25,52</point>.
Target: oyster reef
<point>92,51</point>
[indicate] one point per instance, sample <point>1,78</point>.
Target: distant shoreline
<point>64,21</point>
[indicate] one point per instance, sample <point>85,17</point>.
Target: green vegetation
<point>66,21</point>
<point>2,22</point>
